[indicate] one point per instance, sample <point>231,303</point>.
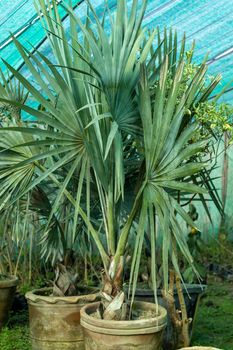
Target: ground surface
<point>214,323</point>
<point>15,335</point>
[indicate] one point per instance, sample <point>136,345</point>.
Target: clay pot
<point>142,334</point>
<point>200,348</point>
<point>7,291</point>
<point>55,321</point>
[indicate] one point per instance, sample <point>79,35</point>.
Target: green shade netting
<point>209,22</point>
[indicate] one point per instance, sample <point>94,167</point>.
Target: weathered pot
<point>55,321</point>
<point>143,334</point>
<point>192,295</point>
<point>7,291</point>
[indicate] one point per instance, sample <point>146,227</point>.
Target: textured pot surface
<point>7,291</point>
<point>55,321</point>
<point>143,334</point>
<point>192,295</point>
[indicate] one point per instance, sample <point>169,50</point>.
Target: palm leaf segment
<point>168,154</point>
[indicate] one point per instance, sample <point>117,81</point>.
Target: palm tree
<point>117,127</point>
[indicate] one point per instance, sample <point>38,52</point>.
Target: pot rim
<point>34,297</point>
<point>200,348</point>
<point>189,288</point>
<point>143,326</point>
<point>10,281</point>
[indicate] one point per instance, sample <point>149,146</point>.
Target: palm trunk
<point>112,282</point>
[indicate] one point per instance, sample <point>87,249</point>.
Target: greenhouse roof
<point>209,22</point>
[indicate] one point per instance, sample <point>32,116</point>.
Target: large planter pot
<point>7,291</point>
<point>142,334</point>
<point>192,295</point>
<point>55,321</point>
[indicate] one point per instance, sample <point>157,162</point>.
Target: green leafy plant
<point>196,246</point>
<point>13,91</point>
<point>113,139</point>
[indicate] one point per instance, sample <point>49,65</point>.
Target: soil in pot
<point>55,321</point>
<point>144,332</point>
<point>8,286</point>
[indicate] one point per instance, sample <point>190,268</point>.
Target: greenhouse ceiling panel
<point>208,22</point>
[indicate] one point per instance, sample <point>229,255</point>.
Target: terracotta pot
<point>7,291</point>
<point>192,295</point>
<point>200,348</point>
<point>55,321</point>
<point>143,334</point>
